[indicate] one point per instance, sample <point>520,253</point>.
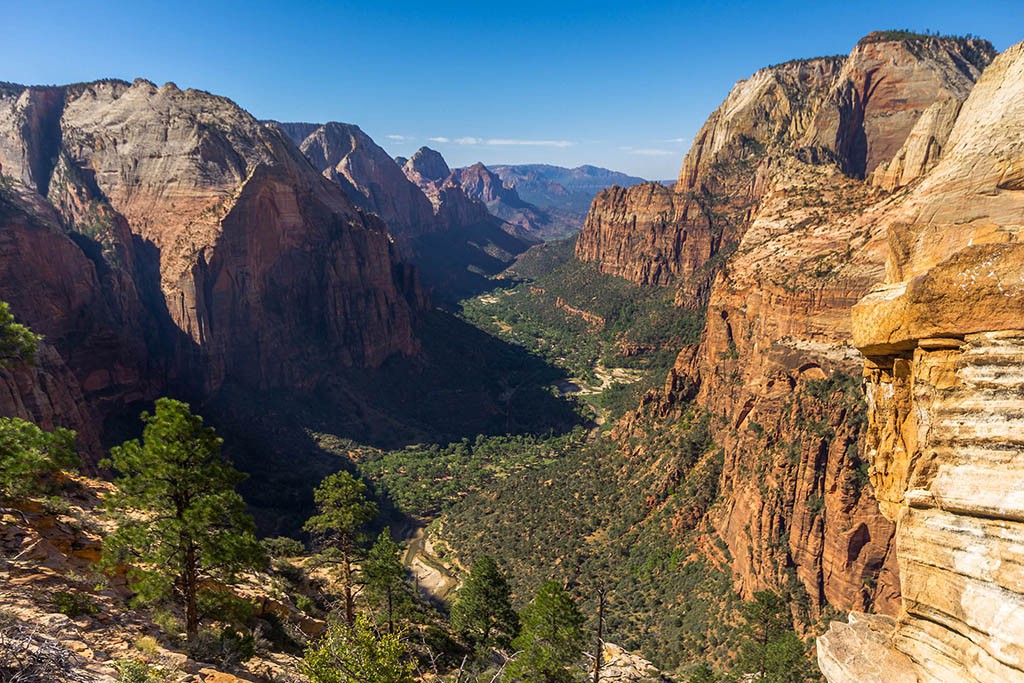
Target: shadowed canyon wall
<point>163,237</point>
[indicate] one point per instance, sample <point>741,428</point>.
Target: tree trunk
<point>190,580</point>
<point>599,645</point>
<point>391,614</point>
<point>346,568</point>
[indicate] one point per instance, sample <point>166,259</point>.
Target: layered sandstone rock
<point>855,111</point>
<point>212,248</point>
<point>448,235</point>
<point>772,213</point>
<point>655,235</point>
<point>882,91</point>
<point>945,354</point>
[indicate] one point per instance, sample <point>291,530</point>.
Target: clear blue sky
<point>624,85</point>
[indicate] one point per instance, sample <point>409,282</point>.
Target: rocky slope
<point>449,235</point>
<point>944,352</point>
<point>772,227</point>
<point>479,182</point>
<point>164,237</point>
<point>371,178</point>
<point>856,111</point>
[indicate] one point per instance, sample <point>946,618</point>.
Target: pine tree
<point>384,575</point>
<point>551,640</point>
<point>28,455</point>
<point>772,649</point>
<point>181,523</point>
<point>343,510</point>
<point>482,612</point>
<point>17,342</point>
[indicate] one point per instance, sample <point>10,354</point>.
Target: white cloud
<point>397,138</point>
<point>652,152</point>
<point>677,141</point>
<point>505,142</point>
<point>531,143</point>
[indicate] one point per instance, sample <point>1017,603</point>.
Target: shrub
<point>74,604</point>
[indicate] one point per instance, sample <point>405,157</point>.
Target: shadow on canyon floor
<point>463,383</point>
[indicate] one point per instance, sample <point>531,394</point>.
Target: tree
<point>384,575</point>
<point>357,654</point>
<point>28,454</point>
<point>343,509</point>
<point>482,612</point>
<point>786,661</point>
<point>181,522</point>
<point>772,649</point>
<point>17,342</point>
<point>702,674</point>
<point>551,640</point>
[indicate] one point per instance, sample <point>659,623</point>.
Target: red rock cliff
<point>215,249</point>
<point>799,242</point>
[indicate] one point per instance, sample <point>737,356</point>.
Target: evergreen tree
<point>384,576</point>
<point>357,654</point>
<point>28,455</point>
<point>482,612</point>
<point>551,640</point>
<point>181,523</point>
<point>772,649</point>
<point>702,674</point>
<point>17,342</point>
<point>343,510</point>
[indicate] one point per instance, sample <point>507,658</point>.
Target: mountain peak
<point>428,164</point>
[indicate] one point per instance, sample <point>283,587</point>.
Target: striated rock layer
<point>160,236</point>
<point>776,228</point>
<point>945,370</point>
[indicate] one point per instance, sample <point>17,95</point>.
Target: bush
<point>227,649</point>
<point>136,671</point>
<point>74,604</point>
<point>283,546</point>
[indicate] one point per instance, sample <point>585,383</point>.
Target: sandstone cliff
<point>531,222</point>
<point>371,178</point>
<point>855,111</point>
<point>166,237</point>
<point>943,349</point>
<point>772,227</point>
<point>448,235</point>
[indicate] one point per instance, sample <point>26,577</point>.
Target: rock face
<point>773,228</point>
<point>448,235</point>
<point>856,111</point>
<point>944,357</point>
<point>160,236</point>
<point>655,235</point>
<point>478,182</point>
<point>370,177</point>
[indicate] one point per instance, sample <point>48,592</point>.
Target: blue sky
<point>624,85</point>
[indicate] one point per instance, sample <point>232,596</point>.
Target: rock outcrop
<point>371,178</point>
<point>773,229</point>
<point>448,235</point>
<point>944,356</point>
<point>160,236</point>
<point>856,111</point>
<point>479,182</point>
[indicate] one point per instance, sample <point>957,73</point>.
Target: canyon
<point>163,237</point>
<point>845,431</point>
